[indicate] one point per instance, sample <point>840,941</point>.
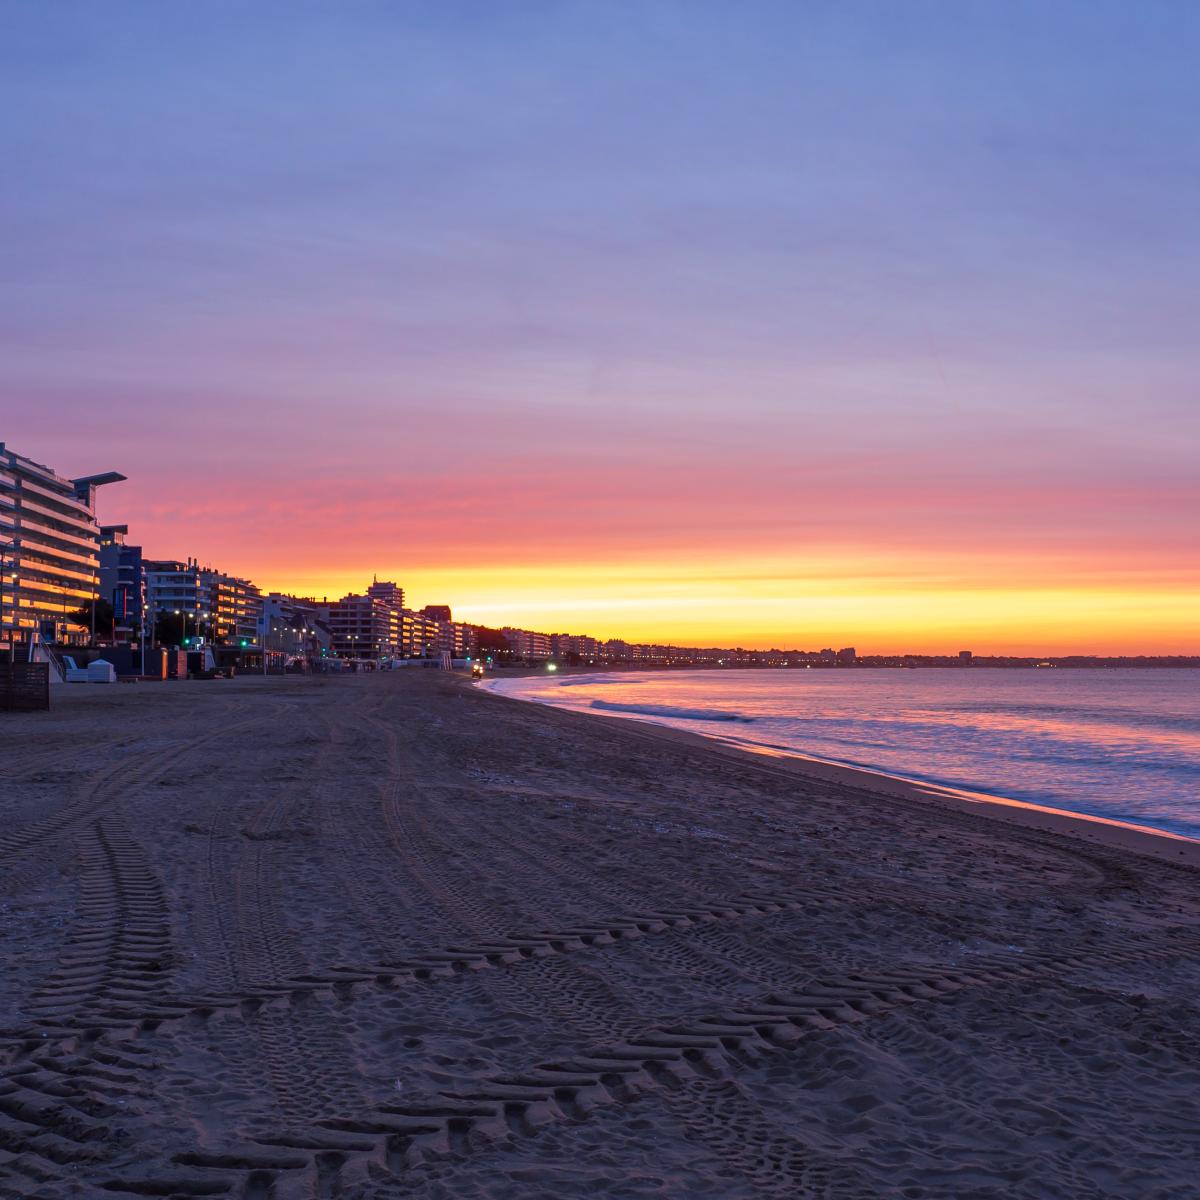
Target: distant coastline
<point>753,660</point>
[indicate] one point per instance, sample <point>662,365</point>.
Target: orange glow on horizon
<point>879,604</point>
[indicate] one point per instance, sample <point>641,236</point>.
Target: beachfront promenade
<point>386,935</point>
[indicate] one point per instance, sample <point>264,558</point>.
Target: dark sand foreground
<point>388,936</point>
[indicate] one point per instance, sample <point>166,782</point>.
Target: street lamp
<point>268,630</point>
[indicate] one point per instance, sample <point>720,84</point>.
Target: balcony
<point>33,475</point>
<point>61,540</point>
<point>32,568</point>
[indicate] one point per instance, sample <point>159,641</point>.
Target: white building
<point>223,609</point>
<point>49,548</point>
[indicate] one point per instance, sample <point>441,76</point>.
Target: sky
<point>794,324</point>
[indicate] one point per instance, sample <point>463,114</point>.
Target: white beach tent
<point>101,671</point>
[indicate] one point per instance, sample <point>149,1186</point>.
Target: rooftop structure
<point>389,593</point>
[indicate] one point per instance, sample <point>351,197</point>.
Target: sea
<point>1120,744</point>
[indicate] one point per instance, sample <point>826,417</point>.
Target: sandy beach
<point>391,936</point>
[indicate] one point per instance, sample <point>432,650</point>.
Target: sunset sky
<point>794,324</point>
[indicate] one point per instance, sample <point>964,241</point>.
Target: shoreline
<point>1107,831</point>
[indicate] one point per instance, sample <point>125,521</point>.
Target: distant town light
<point>552,666</point>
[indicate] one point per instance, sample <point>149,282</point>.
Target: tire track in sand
<point>117,955</point>
<point>682,1064</point>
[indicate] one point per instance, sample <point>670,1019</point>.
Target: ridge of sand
<point>385,935</point>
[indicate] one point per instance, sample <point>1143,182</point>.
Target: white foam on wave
<point>665,710</point>
<point>595,681</point>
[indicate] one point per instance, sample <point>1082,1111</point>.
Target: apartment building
<point>457,638</point>
<point>223,609</point>
<point>176,587</point>
<point>571,645</point>
<point>236,608</point>
<point>49,548</point>
<point>122,578</point>
<point>524,643</point>
<point>376,625</point>
<point>420,636</point>
<point>364,628</point>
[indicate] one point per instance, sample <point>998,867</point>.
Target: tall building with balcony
<point>223,609</point>
<point>419,636</point>
<point>570,645</point>
<point>457,638</point>
<point>236,606</point>
<point>364,628</point>
<point>122,578</point>
<point>49,548</point>
<point>376,625</point>
<point>175,587</point>
<point>525,643</point>
<point>390,593</point>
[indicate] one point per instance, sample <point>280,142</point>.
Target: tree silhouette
<point>104,617</point>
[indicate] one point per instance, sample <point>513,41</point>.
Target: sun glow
<point>881,604</point>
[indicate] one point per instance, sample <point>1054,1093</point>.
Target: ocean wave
<point>595,681</point>
<point>666,710</point>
